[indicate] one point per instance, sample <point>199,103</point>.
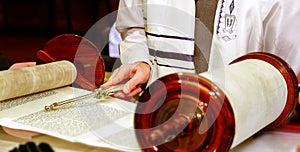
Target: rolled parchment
<point>28,80</point>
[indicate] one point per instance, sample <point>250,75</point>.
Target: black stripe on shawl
<point>164,65</point>
<point>169,36</point>
<point>171,55</point>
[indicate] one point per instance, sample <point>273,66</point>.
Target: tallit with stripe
<point>169,26</point>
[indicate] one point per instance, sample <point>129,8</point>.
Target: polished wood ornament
<point>171,110</point>
<point>186,112</point>
<point>80,51</point>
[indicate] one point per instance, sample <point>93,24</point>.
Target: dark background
<point>26,25</point>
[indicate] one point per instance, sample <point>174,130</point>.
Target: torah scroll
<point>28,80</point>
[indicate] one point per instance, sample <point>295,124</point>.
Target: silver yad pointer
<point>97,93</point>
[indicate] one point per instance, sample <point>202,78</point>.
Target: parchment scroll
<point>28,80</point>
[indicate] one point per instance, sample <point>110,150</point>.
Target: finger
<point>138,78</point>
<point>107,84</point>
<point>135,91</point>
<point>115,76</point>
<point>119,75</point>
<point>119,94</point>
<point>22,65</point>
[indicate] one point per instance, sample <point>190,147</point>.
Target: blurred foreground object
<point>32,147</point>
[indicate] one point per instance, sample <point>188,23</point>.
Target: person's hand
<point>21,65</point>
<point>19,133</point>
<point>134,74</point>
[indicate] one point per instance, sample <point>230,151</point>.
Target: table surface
<point>271,141</point>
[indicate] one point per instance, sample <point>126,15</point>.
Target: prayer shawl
<point>170,35</point>
<point>239,27</point>
<point>159,32</point>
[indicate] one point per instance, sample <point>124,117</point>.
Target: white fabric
<point>257,25</point>
<point>114,41</point>
<point>164,34</point>
<point>261,25</point>
<point>130,22</point>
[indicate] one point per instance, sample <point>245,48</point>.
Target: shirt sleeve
<point>130,23</point>
<point>282,32</point>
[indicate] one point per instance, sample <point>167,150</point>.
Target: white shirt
<point>257,25</point>
<point>155,37</point>
<point>260,25</point>
<point>114,41</point>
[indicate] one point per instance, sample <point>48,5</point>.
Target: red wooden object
<point>187,113</point>
<point>192,94</point>
<point>80,51</point>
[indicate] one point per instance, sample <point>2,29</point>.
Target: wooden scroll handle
<point>170,111</point>
<point>80,51</point>
<point>189,112</point>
